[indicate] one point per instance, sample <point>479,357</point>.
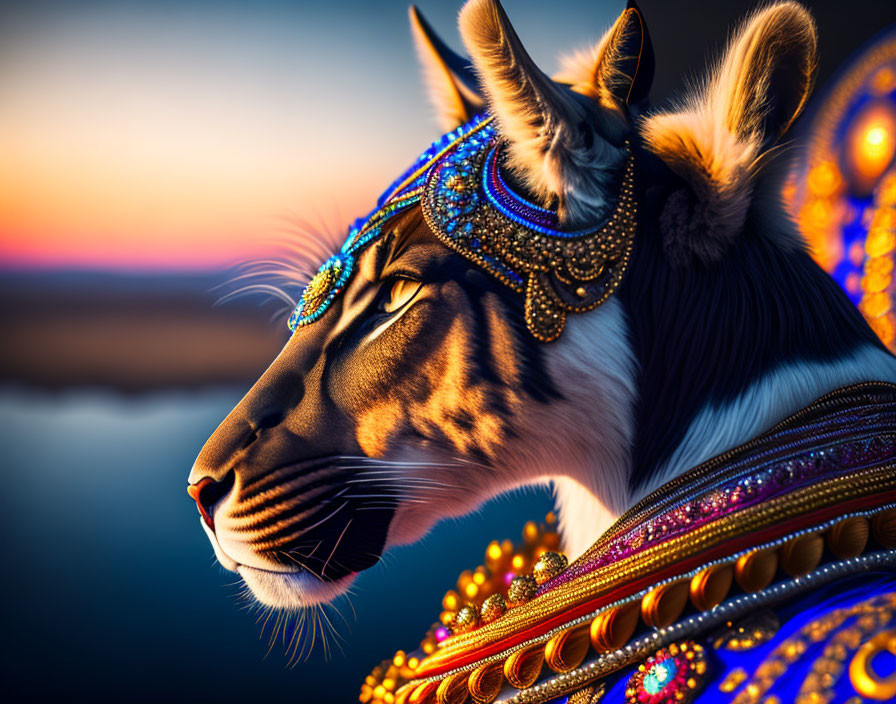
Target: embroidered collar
<point>815,496</point>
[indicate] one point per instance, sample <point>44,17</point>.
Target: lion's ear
<point>619,70</point>
<point>453,88</point>
<point>766,77</point>
<point>720,138</point>
<point>548,129</point>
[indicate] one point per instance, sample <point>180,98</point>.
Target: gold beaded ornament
<point>471,209</point>
<point>483,595</point>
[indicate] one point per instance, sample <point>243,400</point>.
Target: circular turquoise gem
<point>659,676</point>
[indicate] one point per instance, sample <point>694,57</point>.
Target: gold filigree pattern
<point>864,618</point>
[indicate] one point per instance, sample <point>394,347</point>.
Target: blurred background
<point>147,149</point>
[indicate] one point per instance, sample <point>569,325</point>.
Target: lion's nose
<point>207,493</point>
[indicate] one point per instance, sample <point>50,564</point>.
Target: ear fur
<point>452,85</point>
<point>619,70</point>
<point>551,140</point>
<point>720,138</point>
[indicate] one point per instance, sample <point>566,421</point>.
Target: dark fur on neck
<point>702,333</point>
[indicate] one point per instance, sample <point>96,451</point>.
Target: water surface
<point>111,589</point>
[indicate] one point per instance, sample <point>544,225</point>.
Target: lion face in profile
<point>397,408</point>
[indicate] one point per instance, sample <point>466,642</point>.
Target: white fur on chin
<point>292,590</point>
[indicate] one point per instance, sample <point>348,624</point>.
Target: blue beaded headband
<point>472,210</point>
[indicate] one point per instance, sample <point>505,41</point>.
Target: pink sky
<point>175,137</point>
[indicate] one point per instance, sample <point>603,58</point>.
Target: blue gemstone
<point>659,676</point>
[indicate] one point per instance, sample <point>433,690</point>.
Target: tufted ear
<point>619,70</point>
<point>720,138</point>
<point>766,77</point>
<point>554,138</point>
<point>452,85</point>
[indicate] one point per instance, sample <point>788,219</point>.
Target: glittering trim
<point>636,597</point>
<point>335,273</point>
<point>471,209</point>
<point>758,486</point>
<point>473,212</point>
<point>699,623</point>
<point>660,560</point>
<point>513,206</point>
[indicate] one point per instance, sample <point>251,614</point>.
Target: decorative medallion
<point>470,207</point>
<point>326,284</point>
<point>673,674</point>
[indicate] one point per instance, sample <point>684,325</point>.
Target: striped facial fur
<point>391,411</point>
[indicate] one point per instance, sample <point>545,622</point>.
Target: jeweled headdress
<point>470,207</point>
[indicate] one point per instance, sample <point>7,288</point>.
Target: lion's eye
<point>401,293</point>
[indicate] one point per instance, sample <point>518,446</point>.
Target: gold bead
<point>566,650</point>
<point>612,629</point>
<point>523,667</point>
<point>485,682</point>
<point>662,606</point>
<point>451,600</point>
<point>452,689</point>
<point>710,587</point>
<point>801,555</point>
<point>883,527</point>
<point>467,619</point>
<point>848,538</point>
<point>755,571</point>
<point>548,566</point>
<point>492,608</point>
<point>521,589</point>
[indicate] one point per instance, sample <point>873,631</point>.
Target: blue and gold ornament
<point>470,207</point>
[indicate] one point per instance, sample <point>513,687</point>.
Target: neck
<point>782,392</point>
<point>589,498</point>
<point>699,366</point>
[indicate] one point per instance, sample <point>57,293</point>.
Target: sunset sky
<point>179,134</point>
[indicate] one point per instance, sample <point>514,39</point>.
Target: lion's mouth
<point>279,586</point>
<point>311,566</point>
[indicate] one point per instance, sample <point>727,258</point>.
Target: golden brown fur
<point>718,140</point>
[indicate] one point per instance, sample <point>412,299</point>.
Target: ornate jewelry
<point>471,209</point>
<point>673,674</point>
<point>809,503</point>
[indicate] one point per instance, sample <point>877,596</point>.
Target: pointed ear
<point>766,77</point>
<point>719,140</point>
<point>452,85</point>
<point>551,143</point>
<point>619,70</point>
